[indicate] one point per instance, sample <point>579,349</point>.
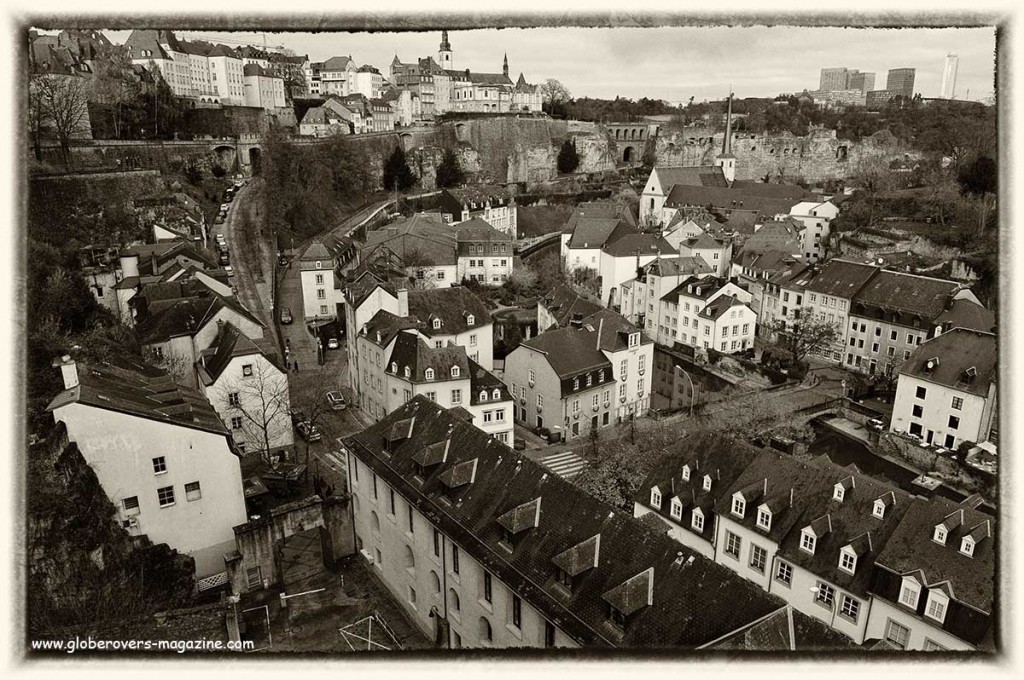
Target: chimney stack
<point>600,325</point>
<point>68,369</point>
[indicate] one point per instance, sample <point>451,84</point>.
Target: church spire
<point>445,47</point>
<point>727,140</point>
<point>504,68</point>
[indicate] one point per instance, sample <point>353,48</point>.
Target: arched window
<point>374,522</point>
<point>435,581</point>
<point>453,599</point>
<point>483,395</point>
<point>497,394</point>
<point>410,559</point>
<point>485,630</point>
<point>429,374</point>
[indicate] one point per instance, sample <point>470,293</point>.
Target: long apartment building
<point>484,548</point>
<point>868,560</point>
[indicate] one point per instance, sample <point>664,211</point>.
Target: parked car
<point>286,315</point>
<point>224,207</point>
<point>332,343</point>
<point>229,270</point>
<point>336,400</point>
<point>875,424</point>
<point>297,415</point>
<point>308,431</point>
<point>282,260</point>
<point>519,444</point>
<point>219,219</point>
<point>223,260</point>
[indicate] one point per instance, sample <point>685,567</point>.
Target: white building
<point>485,253</point>
<point>623,254</point>
<point>713,313</point>
<point>161,454</point>
<point>320,291</point>
<point>262,89</point>
<point>648,302</point>
<point>586,230</point>
<point>248,387</point>
<point>816,218</point>
<point>492,204</point>
<point>946,392</point>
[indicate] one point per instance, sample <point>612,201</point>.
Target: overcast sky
<point>672,63</point>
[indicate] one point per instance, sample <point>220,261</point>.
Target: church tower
<point>504,69</point>
<point>726,160</point>
<point>444,53</point>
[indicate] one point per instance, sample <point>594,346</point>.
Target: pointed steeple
<point>727,141</point>
<point>504,68</point>
<point>445,46</point>
<point>444,53</point>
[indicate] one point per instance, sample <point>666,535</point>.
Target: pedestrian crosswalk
<point>565,464</point>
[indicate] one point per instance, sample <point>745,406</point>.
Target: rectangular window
<point>921,392</point>
<point>233,399</point>
<point>193,492</point>
<point>412,527</point>
<point>319,279</point>
<point>784,573</point>
<point>456,396</point>
<point>165,496</point>
<point>159,465</point>
<point>893,335</point>
<point>499,415</point>
<point>850,608</point>
<point>758,558</point>
<point>437,543</point>
<point>826,595</point>
<point>472,340</point>
<point>487,587</point>
<point>732,544</point>
<point>958,403</point>
<point>374,486</point>
<point>517,611</point>
<point>917,410</point>
<point>897,634</point>
<point>455,559</point>
<point>954,423</point>
<point>549,634</point>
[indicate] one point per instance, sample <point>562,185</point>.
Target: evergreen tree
<point>568,159</point>
<point>397,171</point>
<point>449,172</point>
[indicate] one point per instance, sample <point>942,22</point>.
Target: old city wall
<point>814,157</point>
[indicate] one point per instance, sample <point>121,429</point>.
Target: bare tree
<point>810,335</point>
<point>262,402</point>
<point>309,396</point>
<point>60,101</point>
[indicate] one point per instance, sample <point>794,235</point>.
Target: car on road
<point>308,431</point>
<point>332,343</point>
<point>336,400</point>
<point>229,270</point>
<point>286,315</point>
<point>282,259</point>
<point>519,444</point>
<point>224,207</point>
<point>219,219</point>
<point>223,260</point>
<point>297,415</point>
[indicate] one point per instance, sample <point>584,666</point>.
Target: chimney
<point>600,325</point>
<point>403,302</point>
<point>68,370</point>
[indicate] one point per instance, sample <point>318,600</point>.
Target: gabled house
<point>161,454</point>
<point>644,300</point>
<point>492,204</point>
<point>424,245</point>
<point>622,256</point>
<point>713,313</point>
<point>717,252</point>
<point>563,306</point>
<point>485,253</point>
<point>586,231</point>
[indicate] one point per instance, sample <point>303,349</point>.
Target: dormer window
<point>406,372</point>
<point>483,395</point>
<point>847,561</point>
<point>617,618</point>
<point>910,592</point>
<point>496,395</point>
<point>563,578</point>
<point>600,376</point>
<point>738,506</point>
<point>878,510</point>
<point>429,374</point>
<point>575,383</point>
<point>707,482</point>
<point>469,320</point>
<point>655,498</point>
<point>455,371</point>
<point>940,535</point>
<point>807,541</point>
<point>394,367</point>
<point>764,519</point>
<point>937,605</point>
<point>634,339</point>
<point>967,546</point>
<point>686,473</point>
<point>838,493</point>
<point>697,520</point>
<point>677,509</point>
<point>437,324</point>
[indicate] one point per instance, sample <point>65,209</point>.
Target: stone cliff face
<point>83,568</point>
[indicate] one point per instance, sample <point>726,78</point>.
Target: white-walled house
<point>816,218</point>
<point>161,454</point>
<point>248,387</point>
<point>622,256</point>
<point>455,315</point>
<point>647,301</point>
<point>661,181</point>
<point>716,252</point>
<point>946,392</point>
<point>485,253</point>
<point>587,230</point>
<point>321,292</point>
<point>714,311</point>
<point>424,245</point>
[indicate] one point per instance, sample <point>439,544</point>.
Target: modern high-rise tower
<point>949,77</point>
<point>861,81</point>
<point>834,79</point>
<point>901,81</point>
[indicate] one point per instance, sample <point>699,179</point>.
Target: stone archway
<point>255,159</point>
<point>406,141</point>
<point>629,155</point>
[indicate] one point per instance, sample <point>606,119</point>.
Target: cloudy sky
<point>672,63</point>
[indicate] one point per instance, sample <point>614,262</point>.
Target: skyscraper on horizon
<point>901,81</point>
<point>834,79</point>
<point>948,90</point>
<point>861,81</point>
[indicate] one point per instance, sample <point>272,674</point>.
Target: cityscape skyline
<point>712,55</point>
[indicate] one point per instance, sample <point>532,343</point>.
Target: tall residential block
<point>834,79</point>
<point>949,77</point>
<point>901,81</point>
<point>861,81</point>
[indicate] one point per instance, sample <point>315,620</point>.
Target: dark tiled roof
<point>423,239</point>
<point>957,351</point>
<point>967,314</point>
<point>785,629</point>
<point>172,318</point>
<point>911,549</point>
<point>412,352</point>
<point>708,285</point>
<point>479,193</point>
<point>699,176</point>
<point>907,293</point>
<point>564,303</point>
<point>231,343</point>
<point>841,278</point>
<point>766,189</point>
<point>365,282</point>
<point>683,195</point>
<point>387,325</point>
<point>569,351</point>
<point>607,210</point>
<point>623,242</point>
<point>592,232</point>
<point>682,265</point>
<point>693,600</point>
<point>147,394</point>
<point>480,379</point>
<point>336,64</point>
<point>719,306</point>
<point>614,329</point>
<point>478,229</point>
<point>453,306</point>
